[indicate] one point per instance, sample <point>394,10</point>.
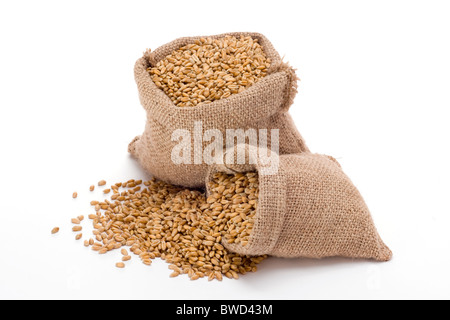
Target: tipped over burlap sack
<point>307,208</point>
<point>264,105</point>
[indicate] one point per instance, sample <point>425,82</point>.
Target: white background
<point>374,93</point>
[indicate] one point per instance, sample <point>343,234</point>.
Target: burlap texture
<point>263,106</point>
<point>309,209</point>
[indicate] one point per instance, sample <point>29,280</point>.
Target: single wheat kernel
<point>96,246</point>
<point>102,183</point>
<point>120,265</point>
<point>78,236</point>
<point>74,195</point>
<point>55,230</point>
<point>195,277</point>
<point>81,218</point>
<point>218,275</point>
<point>77,228</point>
<point>92,188</point>
<point>147,262</point>
<point>126,258</point>
<point>75,221</point>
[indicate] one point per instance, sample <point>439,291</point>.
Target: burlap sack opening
<point>263,106</point>
<point>309,209</point>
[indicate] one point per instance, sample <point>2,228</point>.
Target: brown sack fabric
<point>262,106</point>
<point>310,209</point>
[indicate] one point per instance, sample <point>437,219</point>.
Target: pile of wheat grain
<point>158,220</point>
<point>210,69</point>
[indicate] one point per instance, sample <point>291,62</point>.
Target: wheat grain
<point>210,70</point>
<point>181,226</point>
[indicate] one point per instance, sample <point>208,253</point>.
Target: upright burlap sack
<point>264,105</point>
<point>308,208</point>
